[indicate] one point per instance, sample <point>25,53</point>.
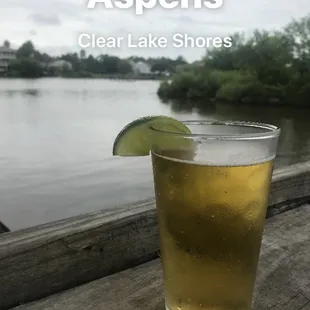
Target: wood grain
<point>47,259</point>
<point>290,187</point>
<point>43,260</point>
<point>283,281</point>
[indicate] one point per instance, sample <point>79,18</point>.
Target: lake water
<point>56,139</point>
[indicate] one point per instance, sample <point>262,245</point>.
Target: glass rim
<point>271,131</point>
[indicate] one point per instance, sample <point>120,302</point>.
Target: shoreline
<point>106,77</point>
<point>206,104</point>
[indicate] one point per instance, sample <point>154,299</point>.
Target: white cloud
<point>45,19</point>
<point>54,25</point>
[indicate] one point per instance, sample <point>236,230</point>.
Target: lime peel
<point>133,139</point>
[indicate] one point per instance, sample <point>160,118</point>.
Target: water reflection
<point>20,92</point>
<point>181,107</point>
<point>31,92</point>
<point>185,106</point>
<point>294,142</point>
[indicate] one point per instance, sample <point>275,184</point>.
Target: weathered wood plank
<point>40,261</point>
<point>290,187</point>
<point>283,281</point>
<point>43,260</point>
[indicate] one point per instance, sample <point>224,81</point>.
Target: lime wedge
<point>133,139</point>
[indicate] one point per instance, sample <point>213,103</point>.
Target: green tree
<point>266,68</point>
<point>91,64</point>
<point>124,67</point>
<point>27,68</point>
<point>224,58</point>
<point>160,66</point>
<point>7,44</point>
<point>180,60</point>
<point>163,64</point>
<point>298,35</point>
<point>27,50</point>
<point>267,55</point>
<point>108,64</point>
<point>73,58</point>
<point>44,58</point>
<point>82,54</point>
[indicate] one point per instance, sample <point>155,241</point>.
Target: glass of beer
<point>212,190</point>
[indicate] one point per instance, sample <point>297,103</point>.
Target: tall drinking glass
<point>212,190</point>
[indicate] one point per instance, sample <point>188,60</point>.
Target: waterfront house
<point>60,65</point>
<point>6,55</point>
<point>141,68</point>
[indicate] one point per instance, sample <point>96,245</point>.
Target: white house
<point>6,55</point>
<point>60,64</point>
<point>141,68</point>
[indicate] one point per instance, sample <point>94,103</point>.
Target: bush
<point>303,95</point>
<point>222,77</point>
<point>26,68</point>
<point>163,90</point>
<point>207,85</point>
<point>275,94</point>
<point>231,91</point>
<point>254,92</point>
<point>233,86</point>
<point>185,85</point>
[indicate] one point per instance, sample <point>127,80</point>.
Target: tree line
<point>30,62</point>
<point>268,67</point>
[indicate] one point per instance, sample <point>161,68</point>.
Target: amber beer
<point>211,219</point>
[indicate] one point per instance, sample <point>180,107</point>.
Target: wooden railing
<point>42,260</point>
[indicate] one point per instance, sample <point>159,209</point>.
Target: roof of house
<point>141,63</point>
<point>60,62</point>
<point>6,49</point>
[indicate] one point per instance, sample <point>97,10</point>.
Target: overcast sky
<point>54,25</point>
